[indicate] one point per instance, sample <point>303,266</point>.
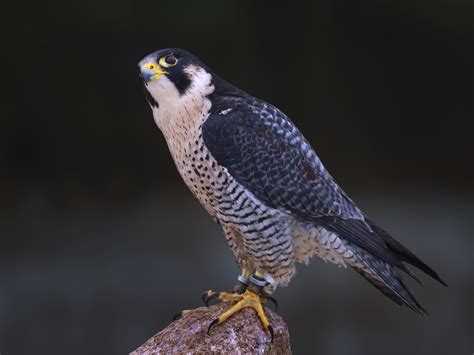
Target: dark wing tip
<point>441,281</point>
<point>385,278</point>
<point>433,274</point>
<point>404,253</point>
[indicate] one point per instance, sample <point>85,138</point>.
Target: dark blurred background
<point>101,243</point>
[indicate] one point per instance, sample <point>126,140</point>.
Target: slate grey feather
<point>260,179</point>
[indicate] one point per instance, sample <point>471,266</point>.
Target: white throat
<point>177,110</point>
<point>179,116</point>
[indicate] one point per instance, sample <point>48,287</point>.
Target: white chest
<point>180,117</point>
<point>199,170</point>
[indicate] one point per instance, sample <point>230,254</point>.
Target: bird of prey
<point>262,182</point>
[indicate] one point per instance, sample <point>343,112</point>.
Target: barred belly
<point>263,234</point>
<point>259,236</point>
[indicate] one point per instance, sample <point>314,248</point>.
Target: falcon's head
<point>172,75</point>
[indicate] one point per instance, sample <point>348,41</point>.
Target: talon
<point>209,296</point>
<point>274,301</point>
<point>270,329</point>
<point>180,314</point>
<point>177,316</point>
<point>212,324</point>
<point>240,301</point>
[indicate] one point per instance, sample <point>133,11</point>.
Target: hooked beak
<point>151,72</point>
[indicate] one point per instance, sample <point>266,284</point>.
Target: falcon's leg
<point>243,281</point>
<point>253,297</point>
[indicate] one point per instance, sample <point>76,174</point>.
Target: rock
<point>240,334</point>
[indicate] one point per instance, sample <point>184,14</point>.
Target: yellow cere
<point>155,68</point>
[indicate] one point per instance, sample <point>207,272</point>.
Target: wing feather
<point>263,150</point>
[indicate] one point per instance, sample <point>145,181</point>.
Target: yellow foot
<point>242,300</point>
<point>233,297</point>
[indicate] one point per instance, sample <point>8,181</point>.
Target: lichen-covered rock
<point>240,334</point>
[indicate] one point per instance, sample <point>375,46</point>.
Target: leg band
<point>242,280</point>
<point>258,281</point>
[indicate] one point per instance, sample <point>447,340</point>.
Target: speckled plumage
<point>260,179</point>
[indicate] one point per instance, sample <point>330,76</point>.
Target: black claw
<point>274,301</point>
<point>212,324</point>
<point>270,329</point>
<point>177,316</point>
<point>206,297</point>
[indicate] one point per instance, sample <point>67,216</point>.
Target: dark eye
<point>168,61</point>
<point>171,60</point>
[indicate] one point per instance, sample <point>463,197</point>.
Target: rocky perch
<point>240,334</point>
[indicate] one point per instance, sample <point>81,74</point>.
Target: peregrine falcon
<point>262,182</point>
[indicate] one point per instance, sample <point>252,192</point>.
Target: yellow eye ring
<point>169,61</point>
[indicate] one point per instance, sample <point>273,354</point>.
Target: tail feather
<point>385,278</point>
<point>404,253</point>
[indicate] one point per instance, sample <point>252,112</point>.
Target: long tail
<point>386,279</point>
<point>378,257</point>
<point>384,276</point>
<point>404,253</point>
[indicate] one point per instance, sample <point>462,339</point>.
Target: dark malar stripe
<point>182,82</point>
<point>150,99</point>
